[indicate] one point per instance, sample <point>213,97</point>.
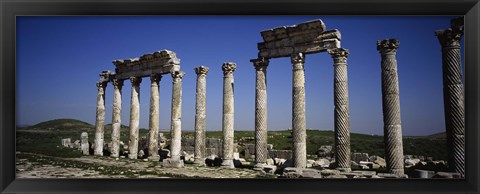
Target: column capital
<point>388,46</point>
<point>228,68</point>
<point>450,37</point>
<point>135,80</point>
<point>177,74</point>
<point>201,70</point>
<point>102,84</point>
<point>297,58</point>
<point>339,55</point>
<point>117,82</point>
<point>261,63</point>
<point>155,78</point>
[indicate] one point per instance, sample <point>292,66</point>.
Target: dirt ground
<point>40,166</point>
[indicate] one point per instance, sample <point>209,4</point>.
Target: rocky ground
<point>41,166</point>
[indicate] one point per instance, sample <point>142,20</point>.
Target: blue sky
<point>59,59</point>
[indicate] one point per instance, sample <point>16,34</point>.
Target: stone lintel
<point>314,26</point>
<point>160,62</point>
<point>313,47</point>
<point>299,40</point>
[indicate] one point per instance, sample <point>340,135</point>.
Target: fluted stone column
<point>299,152</point>
<point>453,96</point>
<point>341,113</point>
<point>154,118</point>
<point>116,117</point>
<point>391,106</point>
<point>261,119</point>
<point>176,125</point>
<point>134,117</point>
<point>228,114</point>
<point>100,119</point>
<point>200,114</point>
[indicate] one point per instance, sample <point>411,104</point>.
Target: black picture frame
<point>10,9</point>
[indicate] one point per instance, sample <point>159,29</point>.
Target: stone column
<point>391,106</point>
<point>200,114</point>
<point>261,119</point>
<point>134,117</point>
<point>176,125</point>
<point>84,143</point>
<point>116,117</point>
<point>453,96</point>
<point>100,119</point>
<point>228,114</point>
<point>341,113</point>
<point>154,118</point>
<point>299,152</point>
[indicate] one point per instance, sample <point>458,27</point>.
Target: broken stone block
<point>171,163</point>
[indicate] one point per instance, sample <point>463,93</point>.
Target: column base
<point>199,162</point>
<point>154,158</point>
<point>228,163</point>
<point>399,172</point>
<point>344,169</point>
<point>171,163</point>
<point>133,156</point>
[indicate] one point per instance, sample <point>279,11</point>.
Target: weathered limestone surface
<point>176,123</point>
<point>100,119</point>
<point>200,114</point>
<point>84,143</point>
<point>341,113</point>
<point>391,106</point>
<point>261,118</point>
<point>116,117</point>
<point>298,112</point>
<point>307,37</point>
<point>228,114</point>
<point>160,62</point>
<point>453,94</point>
<point>134,117</point>
<point>154,116</point>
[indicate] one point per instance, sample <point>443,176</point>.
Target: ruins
<point>152,65</point>
<point>453,98</point>
<point>295,42</point>
<point>392,126</point>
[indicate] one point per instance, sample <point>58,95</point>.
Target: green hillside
<point>51,132</point>
<point>62,124</point>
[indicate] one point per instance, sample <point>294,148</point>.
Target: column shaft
<point>176,123</point>
<point>261,118</point>
<point>116,117</point>
<point>391,106</point>
<point>100,119</point>
<point>453,98</point>
<point>200,114</point>
<point>228,114</point>
<point>134,117</point>
<point>341,112</point>
<point>298,112</point>
<point>154,118</point>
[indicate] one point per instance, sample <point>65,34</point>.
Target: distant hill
<point>437,135</point>
<point>62,124</point>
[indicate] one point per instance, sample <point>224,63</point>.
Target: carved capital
<point>260,64</point>
<point>105,76</point>
<point>228,68</point>
<point>201,70</point>
<point>297,58</point>
<point>117,82</point>
<point>339,55</point>
<point>155,78</point>
<point>135,80</point>
<point>450,37</point>
<point>101,84</point>
<point>388,46</point>
<point>177,74</point>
